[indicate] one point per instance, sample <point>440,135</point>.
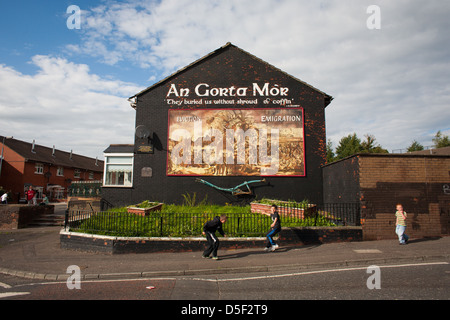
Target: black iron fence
<point>341,214</point>
<point>157,224</point>
<point>162,224</point>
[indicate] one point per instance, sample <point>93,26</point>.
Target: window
<point>77,173</point>
<point>59,193</point>
<point>39,192</point>
<point>91,175</point>
<point>118,170</point>
<point>60,171</point>
<point>39,168</point>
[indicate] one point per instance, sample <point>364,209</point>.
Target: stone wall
<point>287,237</point>
<point>16,216</point>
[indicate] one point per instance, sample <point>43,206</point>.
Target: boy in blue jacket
<point>209,229</point>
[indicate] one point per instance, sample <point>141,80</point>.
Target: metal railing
<point>85,189</point>
<point>157,224</point>
<point>341,214</point>
<point>162,224</point>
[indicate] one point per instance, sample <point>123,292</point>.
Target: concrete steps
<point>48,220</point>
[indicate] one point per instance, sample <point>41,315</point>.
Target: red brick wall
<point>418,225</point>
<point>418,182</point>
<point>379,181</point>
<point>16,216</point>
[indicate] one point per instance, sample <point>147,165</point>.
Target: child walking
<point>401,225</point>
<point>275,228</point>
<point>209,229</point>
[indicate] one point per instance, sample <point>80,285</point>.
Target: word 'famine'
<point>191,147</point>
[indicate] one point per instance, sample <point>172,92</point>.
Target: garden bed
<point>144,208</point>
<point>299,210</point>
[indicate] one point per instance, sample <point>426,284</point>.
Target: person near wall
<point>275,228</point>
<point>31,196</point>
<point>5,198</point>
<point>44,200</point>
<point>209,230</point>
<point>400,228</point>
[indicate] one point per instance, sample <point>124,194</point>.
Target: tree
<point>369,146</point>
<point>330,152</point>
<point>415,146</point>
<point>440,140</point>
<point>348,146</point>
<point>351,145</point>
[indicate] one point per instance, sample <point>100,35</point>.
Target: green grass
<point>186,221</point>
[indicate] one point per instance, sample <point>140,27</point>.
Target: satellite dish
<point>142,132</point>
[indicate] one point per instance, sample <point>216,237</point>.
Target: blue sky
<point>69,88</point>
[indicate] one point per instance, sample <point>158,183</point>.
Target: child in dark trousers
<point>275,228</point>
<point>209,229</point>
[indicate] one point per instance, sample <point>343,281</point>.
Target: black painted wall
<point>227,66</point>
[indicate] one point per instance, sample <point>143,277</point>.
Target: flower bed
<point>285,208</point>
<point>144,208</point>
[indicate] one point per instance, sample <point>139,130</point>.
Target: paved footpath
<point>36,253</point>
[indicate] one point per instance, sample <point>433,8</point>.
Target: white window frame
<point>39,168</point>
<point>60,171</point>
<point>77,173</point>
<point>105,169</point>
<point>39,192</point>
<point>59,193</point>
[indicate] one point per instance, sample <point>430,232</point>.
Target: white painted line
<point>317,272</point>
<point>234,279</point>
<point>94,281</point>
<point>12,294</point>
<point>368,251</point>
<point>4,285</point>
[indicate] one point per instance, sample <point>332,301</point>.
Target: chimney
<point>53,152</point>
<point>32,147</point>
<point>70,154</point>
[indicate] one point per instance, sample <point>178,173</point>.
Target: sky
<point>388,70</point>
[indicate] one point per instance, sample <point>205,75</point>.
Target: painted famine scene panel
<point>236,142</point>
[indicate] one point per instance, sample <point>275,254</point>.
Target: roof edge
<point>327,97</point>
<point>228,44</point>
<point>388,155</point>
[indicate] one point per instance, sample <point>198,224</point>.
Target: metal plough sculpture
<point>235,191</point>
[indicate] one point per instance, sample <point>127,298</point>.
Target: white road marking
<point>368,251</point>
<point>4,285</point>
<point>237,279</point>
<point>317,272</point>
<point>94,281</point>
<point>12,294</point>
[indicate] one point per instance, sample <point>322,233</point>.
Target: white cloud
<point>392,82</point>
<point>65,105</point>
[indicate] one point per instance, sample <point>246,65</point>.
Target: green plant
<point>187,220</point>
<point>190,201</point>
<point>292,203</point>
<point>147,204</point>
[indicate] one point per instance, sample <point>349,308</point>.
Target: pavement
<point>35,253</point>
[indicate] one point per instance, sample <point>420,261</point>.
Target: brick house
<point>420,181</point>
<point>50,171</point>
